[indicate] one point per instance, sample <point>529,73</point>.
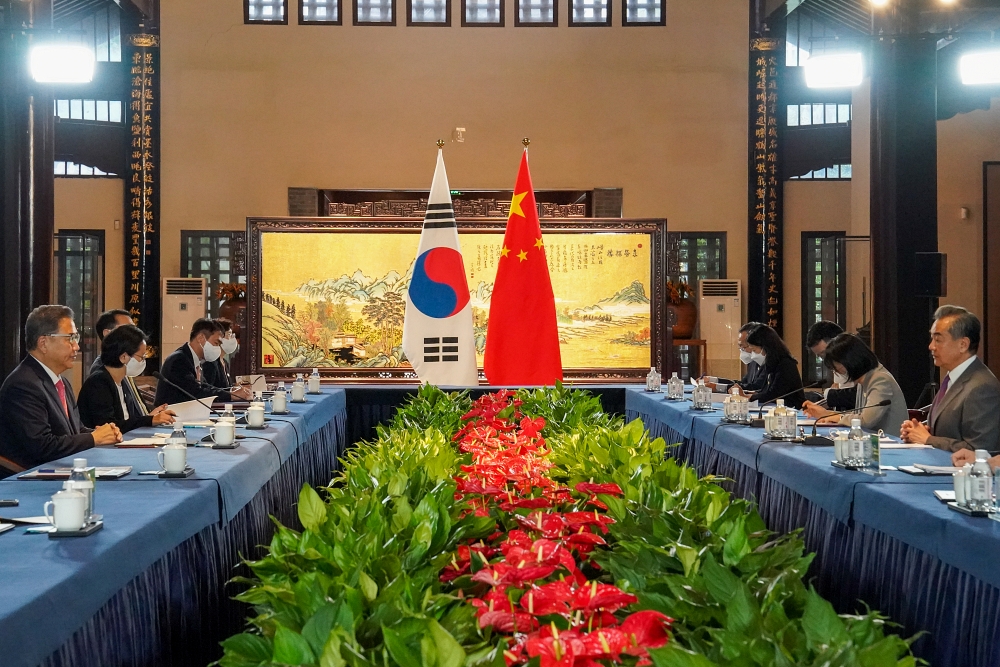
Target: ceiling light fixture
<point>980,68</point>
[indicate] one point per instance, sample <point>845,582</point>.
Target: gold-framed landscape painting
<point>329,293</point>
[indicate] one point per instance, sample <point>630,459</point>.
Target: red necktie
<point>61,388</point>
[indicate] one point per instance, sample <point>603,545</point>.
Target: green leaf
<point>737,546</point>
<point>742,610</point>
<point>397,485</point>
<point>449,652</point>
<point>672,655</point>
<point>688,557</point>
<point>820,622</point>
<point>398,649</point>
<point>721,583</point>
<point>312,510</point>
<point>331,654</point>
<point>368,586</point>
<point>882,653</point>
<point>253,647</point>
<point>291,648</point>
<point>317,629</point>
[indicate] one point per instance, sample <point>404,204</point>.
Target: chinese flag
<point>522,339</point>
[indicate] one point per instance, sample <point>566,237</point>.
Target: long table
<point>886,541</point>
<point>150,588</point>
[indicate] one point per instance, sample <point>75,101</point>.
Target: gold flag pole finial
<point>526,141</point>
<point>440,143</point>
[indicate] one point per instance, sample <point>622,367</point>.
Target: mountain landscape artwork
<point>340,302</point>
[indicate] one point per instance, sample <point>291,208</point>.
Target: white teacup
<point>173,458</point>
<point>224,432</point>
<point>279,401</point>
<point>298,392</point>
<point>255,415</point>
<point>69,510</point>
<point>840,447</point>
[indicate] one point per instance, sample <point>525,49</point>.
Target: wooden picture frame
<point>266,357</point>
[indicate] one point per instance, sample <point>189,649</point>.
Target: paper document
<point>945,496</point>
<point>26,521</point>
<point>192,411</point>
<point>936,470</point>
<point>141,442</point>
<point>892,444</point>
<point>4,527</point>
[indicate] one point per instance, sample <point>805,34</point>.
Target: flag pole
<point>440,143</point>
<point>526,141</point>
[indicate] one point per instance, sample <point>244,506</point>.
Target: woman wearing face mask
<point>217,371</point>
<point>105,396</point>
<point>781,371</point>
<point>850,359</point>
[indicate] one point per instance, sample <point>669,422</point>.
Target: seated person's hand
<point>963,456</point>
<point>163,416</point>
<point>914,432</point>
<point>107,434</point>
<point>828,420</point>
<point>814,411</point>
<point>243,393</point>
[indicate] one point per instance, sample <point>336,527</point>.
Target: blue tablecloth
<point>885,540</point>
<point>51,589</point>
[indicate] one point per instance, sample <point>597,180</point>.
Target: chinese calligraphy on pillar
<point>142,184</point>
<point>764,299</point>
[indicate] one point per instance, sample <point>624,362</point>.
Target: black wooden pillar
<point>142,184</point>
<point>903,199</point>
<point>27,150</point>
<point>765,231</point>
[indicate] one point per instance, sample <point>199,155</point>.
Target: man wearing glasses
<point>39,420</point>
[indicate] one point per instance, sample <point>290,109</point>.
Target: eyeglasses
<point>73,338</point>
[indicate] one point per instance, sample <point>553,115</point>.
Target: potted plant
<point>684,310</point>
<point>234,303</point>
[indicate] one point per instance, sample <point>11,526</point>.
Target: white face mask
<point>134,368</point>
<point>745,357</point>
<point>212,352</point>
<point>840,378</point>
<point>759,358</point>
<point>230,344</point>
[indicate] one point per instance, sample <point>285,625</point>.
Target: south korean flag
<point>437,329</point>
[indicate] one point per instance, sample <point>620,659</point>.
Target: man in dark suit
<point>39,421</point>
<point>753,379</point>
<point>964,414</point>
<point>217,372</point>
<point>184,368</point>
<point>839,396</point>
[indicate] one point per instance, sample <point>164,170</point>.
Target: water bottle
<point>227,413</point>
<point>744,409</point>
<point>177,436</point>
<point>781,419</point>
<point>80,480</point>
<point>675,387</point>
<point>702,396</point>
<point>981,484</point>
<point>856,444</point>
<point>652,381</point>
<point>314,382</point>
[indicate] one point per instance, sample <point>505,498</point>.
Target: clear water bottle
<point>314,381</point>
<point>281,386</point>
<point>80,480</point>
<point>701,402</point>
<point>744,408</point>
<point>856,444</point>
<point>227,413</point>
<point>781,419</point>
<point>980,496</point>
<point>675,387</point>
<point>177,436</point>
<point>653,380</point>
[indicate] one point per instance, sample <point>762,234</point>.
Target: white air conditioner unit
<point>183,302</point>
<point>721,313</point>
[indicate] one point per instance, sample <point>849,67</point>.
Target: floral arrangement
<point>677,291</point>
<point>229,291</point>
<point>530,528</point>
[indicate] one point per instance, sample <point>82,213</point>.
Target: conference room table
<point>886,541</point>
<point>150,587</point>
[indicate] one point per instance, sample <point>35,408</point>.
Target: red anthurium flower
<point>585,539</point>
<point>549,524</point>
<point>577,519</point>
<point>545,551</point>
<point>552,598</point>
<point>605,643</point>
<point>528,574</point>
<point>516,538</point>
<point>493,575</point>
<point>646,630</point>
<point>557,649</point>
<point>532,427</point>
<point>610,489</point>
<point>599,619</point>
<point>527,503</point>
<point>508,622</point>
<point>601,596</point>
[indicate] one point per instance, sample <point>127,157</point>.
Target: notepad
<point>892,444</point>
<point>25,520</point>
<point>945,496</point>
<point>4,527</point>
<point>924,469</point>
<point>141,442</point>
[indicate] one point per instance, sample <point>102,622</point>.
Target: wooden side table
<point>702,354</point>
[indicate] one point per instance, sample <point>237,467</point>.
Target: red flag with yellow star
<point>522,338</point>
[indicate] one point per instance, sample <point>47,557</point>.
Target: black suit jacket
<point>214,373</point>
<point>33,427</point>
<point>781,377</point>
<point>842,399</point>
<point>179,369</point>
<point>100,404</point>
